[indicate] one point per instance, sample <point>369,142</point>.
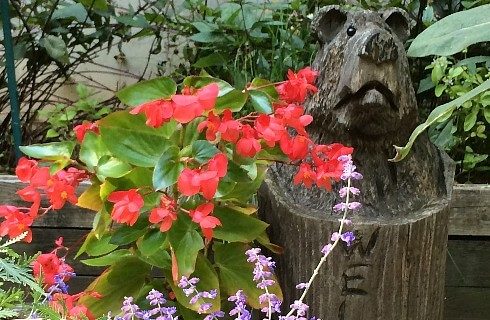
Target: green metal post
<point>12,85</point>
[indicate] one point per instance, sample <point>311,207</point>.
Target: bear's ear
<point>328,22</point>
<point>399,22</point>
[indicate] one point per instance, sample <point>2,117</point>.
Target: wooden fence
<point>468,259</point>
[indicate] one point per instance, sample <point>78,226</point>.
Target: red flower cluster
<point>85,127</point>
<point>295,89</point>
<point>48,265</point>
<point>182,107</point>
<point>58,188</point>
<point>68,306</point>
<point>204,179</point>
<point>165,214</point>
<point>127,206</point>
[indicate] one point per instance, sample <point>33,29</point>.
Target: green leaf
<point>243,191</point>
<point>167,169</point>
<point>92,150</point>
<point>186,243</point>
<point>265,86</point>
<point>151,242</point>
<point>126,234</point>
<point>237,274</point>
<point>208,281</point>
<point>470,119</point>
<point>486,113</point>
<point>90,198</point>
<point>214,59</point>
<point>112,167</point>
<point>453,33</point>
<point>191,133</point>
<point>439,114</point>
<point>203,150</point>
<point>76,10</point>
<point>207,37</point>
<point>261,101</point>
<point>55,47</point>
<point>203,26</point>
<point>144,91</point>
<point>96,4</point>
<point>236,226</point>
<point>49,151</point>
<point>131,140</point>
<point>161,259</point>
<point>125,278</point>
<point>98,246</point>
<point>108,259</point>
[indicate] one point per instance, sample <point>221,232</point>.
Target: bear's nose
<point>379,47</point>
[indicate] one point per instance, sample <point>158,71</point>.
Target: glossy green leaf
<point>92,150</point>
<point>49,151</point>
<point>144,91</point>
<point>244,190</point>
<point>265,86</point>
<point>126,234</point>
<point>151,242</point>
<point>108,259</point>
<point>98,246</point>
<point>186,243</point>
<point>191,133</point>
<point>160,258</point>
<point>128,138</point>
<point>90,198</point>
<point>208,281</point>
<point>470,119</point>
<point>125,278</point>
<point>261,101</point>
<point>236,273</point>
<point>76,11</point>
<point>453,33</point>
<point>237,226</point>
<point>55,47</point>
<point>167,169</point>
<point>439,114</point>
<point>112,167</point>
<point>214,59</point>
<point>203,150</point>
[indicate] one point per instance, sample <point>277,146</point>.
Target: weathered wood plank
<point>463,303</point>
<point>469,215</point>
<point>470,210</point>
<point>467,263</point>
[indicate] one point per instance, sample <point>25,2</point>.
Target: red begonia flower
<point>189,182</point>
<point>48,265</point>
<point>68,306</point>
<point>157,112</point>
<point>219,163</point>
<point>60,192</point>
<point>208,95</point>
<point>25,169</point>
<point>83,128</point>
<point>295,148</point>
<point>248,145</point>
<point>127,206</point>
<point>208,182</point>
<point>15,223</point>
<point>305,175</point>
<point>270,129</point>
<point>201,215</point>
<point>229,127</point>
<point>294,117</point>
<point>294,89</point>
<point>308,74</point>
<point>211,124</point>
<point>165,214</point>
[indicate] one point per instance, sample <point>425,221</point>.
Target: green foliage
<point>240,40</point>
<point>453,33</point>
<point>61,117</point>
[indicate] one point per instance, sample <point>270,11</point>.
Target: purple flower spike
<point>327,249</point>
<point>302,285</point>
<point>155,298</point>
<point>215,315</point>
<point>300,307</point>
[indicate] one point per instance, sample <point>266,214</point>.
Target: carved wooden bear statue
<point>395,270</point>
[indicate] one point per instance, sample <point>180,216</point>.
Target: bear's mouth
<point>373,95</point>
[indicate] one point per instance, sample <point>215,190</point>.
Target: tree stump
<point>395,269</point>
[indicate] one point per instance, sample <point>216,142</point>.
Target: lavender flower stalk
<point>349,173</point>
<point>190,290</point>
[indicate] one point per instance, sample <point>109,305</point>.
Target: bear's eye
<point>351,31</point>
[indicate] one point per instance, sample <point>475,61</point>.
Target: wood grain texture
<point>470,210</point>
